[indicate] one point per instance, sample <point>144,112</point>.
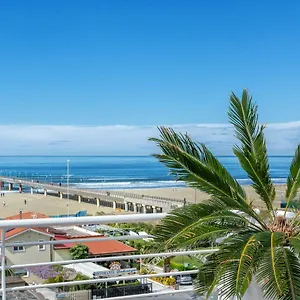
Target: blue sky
<point>87,65</point>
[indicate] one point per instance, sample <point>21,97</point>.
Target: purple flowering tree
<point>44,272</point>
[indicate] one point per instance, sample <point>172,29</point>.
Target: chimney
<point>21,213</point>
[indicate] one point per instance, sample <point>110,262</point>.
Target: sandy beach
<point>49,205</point>
<point>196,196</point>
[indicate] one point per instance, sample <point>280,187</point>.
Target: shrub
<point>127,283</point>
<point>58,268</point>
<point>144,271</point>
<point>57,279</point>
<point>79,251</point>
<point>165,280</point>
<point>80,287</point>
<point>136,265</point>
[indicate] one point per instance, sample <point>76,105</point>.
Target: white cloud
<point>282,139</point>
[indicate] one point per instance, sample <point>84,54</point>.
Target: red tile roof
<point>95,248</point>
<point>17,231</point>
<point>28,215</point>
<point>98,248</point>
<point>20,230</point>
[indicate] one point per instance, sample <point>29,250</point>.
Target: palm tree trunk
<point>167,265</point>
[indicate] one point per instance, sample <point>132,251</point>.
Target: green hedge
<point>292,204</point>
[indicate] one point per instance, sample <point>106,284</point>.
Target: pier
<point>126,201</point>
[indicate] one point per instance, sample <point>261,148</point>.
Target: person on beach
<point>4,203</point>
<point>25,201</point>
<point>184,202</point>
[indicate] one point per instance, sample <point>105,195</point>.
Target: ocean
<point>117,172</point>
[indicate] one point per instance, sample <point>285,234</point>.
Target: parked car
<point>184,279</point>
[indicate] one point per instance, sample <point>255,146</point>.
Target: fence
<point>81,213</point>
<point>109,195</point>
<point>119,291</point>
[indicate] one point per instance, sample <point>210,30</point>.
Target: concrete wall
<point>254,292</point>
<point>63,254</point>
<point>32,254</point>
<point>78,295</point>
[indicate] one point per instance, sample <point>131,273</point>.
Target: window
<point>42,247</point>
<point>18,248</point>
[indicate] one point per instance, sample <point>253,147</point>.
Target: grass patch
<point>187,260</point>
<point>181,260</point>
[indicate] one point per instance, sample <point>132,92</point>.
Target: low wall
<point>78,295</point>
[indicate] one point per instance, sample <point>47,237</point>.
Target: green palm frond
<point>190,224</point>
<point>226,264</point>
<point>244,274</point>
<point>292,265</point>
<point>195,164</point>
<point>252,153</point>
<point>245,257</point>
<point>207,278</point>
<point>295,242</point>
<point>212,162</point>
<point>250,249</point>
<point>293,181</point>
<point>272,272</point>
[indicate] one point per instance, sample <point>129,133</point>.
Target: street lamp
<point>68,196</point>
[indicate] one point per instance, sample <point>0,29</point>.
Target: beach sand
<point>49,205</point>
<point>196,196</point>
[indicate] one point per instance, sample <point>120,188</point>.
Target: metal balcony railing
<point>5,225</point>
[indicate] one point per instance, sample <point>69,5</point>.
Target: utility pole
<point>68,196</point>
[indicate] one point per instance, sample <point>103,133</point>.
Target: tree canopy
<point>79,251</point>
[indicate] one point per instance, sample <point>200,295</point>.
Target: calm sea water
<point>122,172</point>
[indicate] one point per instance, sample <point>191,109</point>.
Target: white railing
<point>48,222</point>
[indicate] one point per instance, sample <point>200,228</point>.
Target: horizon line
<point>89,155</point>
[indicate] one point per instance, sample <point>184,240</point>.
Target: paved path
<point>118,196</point>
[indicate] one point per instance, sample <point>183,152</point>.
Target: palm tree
<point>254,250</point>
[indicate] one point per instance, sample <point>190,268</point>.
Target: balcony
<point>34,228</point>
